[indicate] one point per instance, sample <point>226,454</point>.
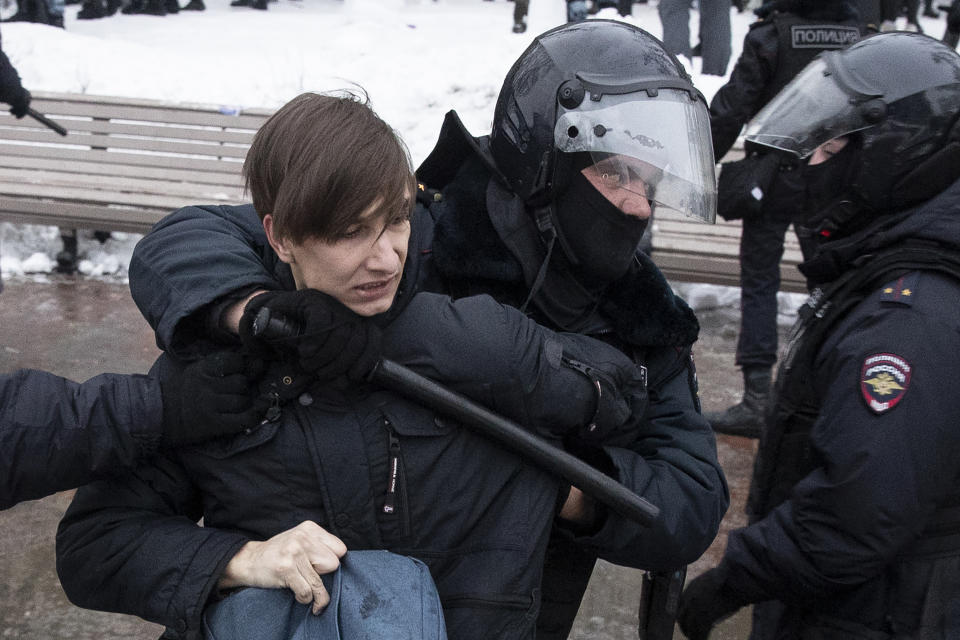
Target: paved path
<point>78,328</point>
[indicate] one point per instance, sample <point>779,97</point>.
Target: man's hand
<point>19,101</point>
<point>705,602</point>
<point>578,509</point>
<point>332,340</point>
<point>294,559</point>
<point>212,397</point>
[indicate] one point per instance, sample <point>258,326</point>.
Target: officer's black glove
<point>208,398</point>
<point>19,102</point>
<point>330,339</point>
<point>705,602</point>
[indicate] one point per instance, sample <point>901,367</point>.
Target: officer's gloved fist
<point>326,339</point>
<point>704,603</point>
<point>209,398</point>
<point>19,102</point>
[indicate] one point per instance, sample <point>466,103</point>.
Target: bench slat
<point>113,127</point>
<point>80,216</point>
<point>145,111</point>
<point>232,180</point>
<point>93,196</point>
<point>46,182</point>
<point>139,144</point>
<point>120,157</point>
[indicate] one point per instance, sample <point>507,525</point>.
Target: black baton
<point>548,457</point>
<point>45,121</point>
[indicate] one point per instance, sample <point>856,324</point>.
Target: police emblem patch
<point>884,379</point>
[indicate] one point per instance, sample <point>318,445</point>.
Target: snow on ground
<point>417,59</point>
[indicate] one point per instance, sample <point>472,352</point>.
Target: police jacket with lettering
<point>375,469</point>
<point>774,51</point>
<point>856,497</point>
<point>56,434</point>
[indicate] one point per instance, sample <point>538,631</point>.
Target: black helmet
<point>899,93</point>
<point>611,89</point>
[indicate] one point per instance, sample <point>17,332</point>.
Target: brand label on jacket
<point>818,36</point>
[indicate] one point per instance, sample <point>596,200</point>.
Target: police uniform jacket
<point>56,434</point>
<point>856,496</point>
<point>377,470</point>
<point>774,51</point>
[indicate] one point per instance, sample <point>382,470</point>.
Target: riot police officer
<point>855,503</point>
<point>595,126</point>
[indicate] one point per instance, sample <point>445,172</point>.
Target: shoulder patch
<point>884,380</point>
<point>822,36</point>
<point>901,291</point>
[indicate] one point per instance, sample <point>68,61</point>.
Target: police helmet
<point>609,89</point>
<point>897,95</point>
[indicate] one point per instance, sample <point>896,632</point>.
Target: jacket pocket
<point>409,433</point>
<point>232,445</point>
<point>491,615</point>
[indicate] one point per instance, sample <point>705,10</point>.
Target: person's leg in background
<point>870,14</point>
<point>715,36</point>
<point>675,19</point>
<point>913,22</point>
<point>889,12</point>
<point>520,8</point>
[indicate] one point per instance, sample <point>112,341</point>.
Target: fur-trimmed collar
<point>640,307</point>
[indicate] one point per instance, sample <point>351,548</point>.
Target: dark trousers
<point>715,37</point>
<point>520,8</point>
<point>761,248</point>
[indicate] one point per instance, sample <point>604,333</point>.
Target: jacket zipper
<point>393,481</point>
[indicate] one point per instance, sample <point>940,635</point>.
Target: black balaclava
<point>832,208</point>
<point>600,240</point>
<point>827,181</point>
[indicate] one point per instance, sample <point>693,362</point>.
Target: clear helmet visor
<point>658,147</point>
<point>811,110</point>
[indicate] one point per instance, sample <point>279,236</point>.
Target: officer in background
<point>775,49</point>
<point>855,503</point>
<point>519,216</point>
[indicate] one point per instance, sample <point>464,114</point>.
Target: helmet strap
<point>548,235</point>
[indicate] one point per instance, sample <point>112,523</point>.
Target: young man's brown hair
<point>321,160</point>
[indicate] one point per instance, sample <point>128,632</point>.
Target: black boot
<point>172,6</point>
<point>194,5</point>
<point>746,418</point>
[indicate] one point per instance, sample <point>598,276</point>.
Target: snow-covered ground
<point>417,59</point>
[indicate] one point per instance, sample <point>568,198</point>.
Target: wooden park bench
<point>128,162</point>
<point>125,162</point>
<point>690,251</point>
